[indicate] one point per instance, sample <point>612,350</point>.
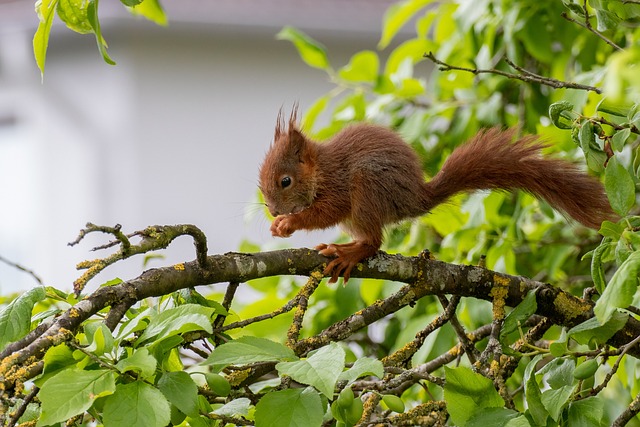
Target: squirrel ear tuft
<point>280,125</point>
<point>293,118</point>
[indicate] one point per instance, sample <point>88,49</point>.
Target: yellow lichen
<point>494,367</point>
<point>498,293</point>
<point>407,298</point>
<point>570,307</point>
<point>455,351</point>
<point>235,378</point>
<point>179,267</point>
<point>523,287</point>
<point>401,355</point>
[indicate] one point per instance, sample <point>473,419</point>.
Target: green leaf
<point>290,408</point>
<point>559,372</point>
<point>249,350</point>
<point>364,366</point>
<point>574,7</point>
<point>152,10</point>
<point>587,412</point>
<point>320,370</point>
<point>555,400</point>
<point>74,14</point>
<point>611,230</point>
<point>619,139</point>
<point>519,314</point>
<point>532,393</point>
<point>620,290</point>
<point>141,361</point>
<point>559,347</point>
<point>620,187</point>
<point>180,390</point>
<point>362,67</point>
<point>592,331</point>
<point>312,113</point>
<point>409,88</point>
<point>99,337</point>
<point>492,417</point>
<point>606,20</point>
<point>396,16</point>
<point>72,392</point>
<point>135,324</point>
<point>596,158</point>
<point>56,359</point>
<point>412,50</point>
<point>555,111</point>
<point>45,10</point>
<point>136,404</point>
<point>15,318</point>
<point>613,109</point>
<point>597,272</point>
<point>237,407</point>
<point>92,16</point>
<point>311,52</point>
<point>178,320</point>
<point>467,393</point>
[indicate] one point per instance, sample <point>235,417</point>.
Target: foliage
<point>81,16</point>
<point>565,70</point>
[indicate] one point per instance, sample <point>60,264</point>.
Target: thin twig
<point>115,230</point>
<point>604,121</point>
<point>242,323</point>
<point>587,25</point>
<point>525,76</point>
<point>614,368</point>
<point>467,345</point>
<point>23,269</point>
<point>15,416</point>
<point>303,299</point>
<point>226,304</point>
<point>404,354</point>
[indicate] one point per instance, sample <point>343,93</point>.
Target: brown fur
<point>366,176</point>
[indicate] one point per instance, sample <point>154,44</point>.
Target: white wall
<point>173,134</point>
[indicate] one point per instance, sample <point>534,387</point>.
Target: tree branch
<point>153,238</point>
<point>422,276</point>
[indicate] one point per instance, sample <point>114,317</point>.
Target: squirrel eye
<point>285,182</point>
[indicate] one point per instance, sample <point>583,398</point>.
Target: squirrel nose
<point>273,211</point>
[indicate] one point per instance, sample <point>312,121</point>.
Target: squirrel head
<point>288,173</point>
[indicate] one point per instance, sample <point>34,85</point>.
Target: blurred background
<point>174,133</point>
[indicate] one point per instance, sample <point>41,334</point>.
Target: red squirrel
<point>366,177</point>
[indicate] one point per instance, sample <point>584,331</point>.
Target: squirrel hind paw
<point>347,256</point>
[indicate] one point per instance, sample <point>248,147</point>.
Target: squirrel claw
<point>347,256</point>
<point>327,250</point>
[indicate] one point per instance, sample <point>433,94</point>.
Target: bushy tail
<point>491,161</point>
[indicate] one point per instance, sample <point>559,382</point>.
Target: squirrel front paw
<point>282,226</point>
